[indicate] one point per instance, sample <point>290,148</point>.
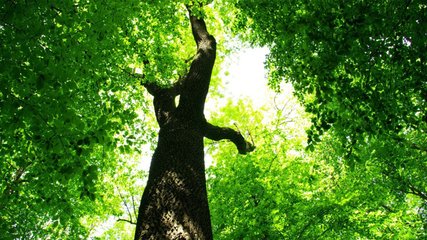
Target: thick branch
<point>153,89</point>
<point>218,133</point>
<point>164,98</point>
<point>198,27</point>
<point>417,192</point>
<point>194,87</point>
<point>164,102</point>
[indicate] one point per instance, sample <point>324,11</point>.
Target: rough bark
<point>174,204</point>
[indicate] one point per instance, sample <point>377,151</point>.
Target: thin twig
<point>126,220</point>
<point>250,136</point>
<point>133,205</point>
<point>124,202</point>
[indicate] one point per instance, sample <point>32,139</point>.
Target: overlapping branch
<point>219,133</point>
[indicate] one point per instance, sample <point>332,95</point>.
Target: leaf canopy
<point>359,66</point>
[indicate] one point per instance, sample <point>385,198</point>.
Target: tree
<point>74,117</point>
<point>174,204</point>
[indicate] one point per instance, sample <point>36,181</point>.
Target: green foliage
<point>68,106</point>
<point>358,68</point>
<point>282,192</point>
<point>357,65</point>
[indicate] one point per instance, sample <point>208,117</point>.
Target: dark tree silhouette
<point>174,204</point>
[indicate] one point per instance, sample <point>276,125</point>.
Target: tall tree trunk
<point>174,204</point>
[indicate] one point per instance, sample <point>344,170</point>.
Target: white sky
<point>243,77</point>
<point>247,76</point>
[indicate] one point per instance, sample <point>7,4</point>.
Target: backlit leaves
<point>68,106</point>
<point>360,60</point>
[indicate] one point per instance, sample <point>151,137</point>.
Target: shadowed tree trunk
<point>174,204</point>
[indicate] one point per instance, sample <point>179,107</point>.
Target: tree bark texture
<point>174,204</point>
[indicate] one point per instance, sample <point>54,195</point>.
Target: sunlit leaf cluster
<point>281,191</point>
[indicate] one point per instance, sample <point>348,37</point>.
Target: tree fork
<point>174,204</point>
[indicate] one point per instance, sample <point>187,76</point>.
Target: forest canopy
<point>346,158</point>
